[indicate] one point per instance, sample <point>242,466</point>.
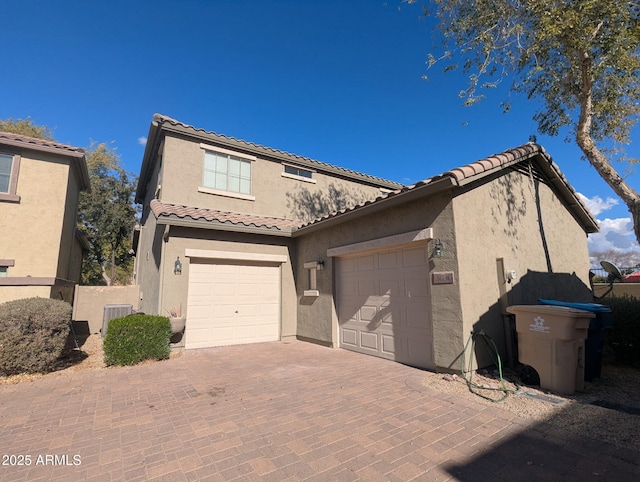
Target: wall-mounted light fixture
<point>438,249</point>
<point>177,267</point>
<point>319,265</point>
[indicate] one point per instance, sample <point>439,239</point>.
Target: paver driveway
<point>278,411</point>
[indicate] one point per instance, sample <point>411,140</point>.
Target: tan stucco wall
<point>534,233</point>
<point>89,303</point>
<point>9,293</point>
<point>619,289</point>
<point>66,261</point>
<point>35,223</point>
<point>174,288</point>
<point>317,317</point>
<point>274,194</point>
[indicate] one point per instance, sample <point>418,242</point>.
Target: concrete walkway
<point>278,411</point>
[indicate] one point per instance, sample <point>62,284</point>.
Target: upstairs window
<point>6,163</point>
<point>9,168</point>
<point>226,172</point>
<point>299,173</point>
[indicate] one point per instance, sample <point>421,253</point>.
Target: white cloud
<point>596,205</point>
<point>616,235</point>
<point>142,141</point>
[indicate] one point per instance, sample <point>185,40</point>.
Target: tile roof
<point>478,169</point>
<point>39,144</point>
<point>160,209</point>
<point>275,152</point>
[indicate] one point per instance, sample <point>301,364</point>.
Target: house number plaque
<point>443,278</point>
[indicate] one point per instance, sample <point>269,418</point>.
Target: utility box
<point>551,340</point>
<point>112,312</point>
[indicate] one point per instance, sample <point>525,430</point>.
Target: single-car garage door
<point>232,303</point>
<point>384,305</point>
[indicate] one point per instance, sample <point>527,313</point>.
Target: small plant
<point>175,312</point>
<point>135,338</point>
<point>33,334</point>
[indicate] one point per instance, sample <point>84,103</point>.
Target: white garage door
<point>232,303</point>
<point>384,306</point>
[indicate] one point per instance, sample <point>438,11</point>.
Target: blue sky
<point>337,81</point>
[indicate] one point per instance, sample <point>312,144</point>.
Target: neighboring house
<point>245,239</point>
<point>40,248</point>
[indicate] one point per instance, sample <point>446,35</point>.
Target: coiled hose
<point>493,350</point>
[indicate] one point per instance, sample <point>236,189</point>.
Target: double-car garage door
<point>232,302</point>
<point>384,306</point>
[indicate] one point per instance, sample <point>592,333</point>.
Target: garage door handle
<point>236,311</point>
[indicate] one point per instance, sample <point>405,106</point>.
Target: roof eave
<point>148,159</point>
<point>392,200</point>
<point>173,220</point>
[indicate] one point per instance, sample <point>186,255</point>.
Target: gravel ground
<point>618,387</point>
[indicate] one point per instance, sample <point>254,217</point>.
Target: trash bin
<point>551,340</point>
<point>598,327</point>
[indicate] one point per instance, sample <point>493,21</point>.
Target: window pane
<point>221,164</point>
<point>3,271</point>
<point>234,184</point>
<point>5,172</point>
<point>234,167</point>
<point>209,179</point>
<point>245,186</point>
<point>221,182</point>
<point>245,170</point>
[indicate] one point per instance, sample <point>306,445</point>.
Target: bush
<point>135,338</point>
<point>33,334</point>
<point>624,338</point>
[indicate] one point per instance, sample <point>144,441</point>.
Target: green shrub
<point>33,334</point>
<point>624,338</point>
<point>135,338</point>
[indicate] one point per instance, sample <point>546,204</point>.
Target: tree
<point>107,215</point>
<point>580,58</point>
<point>26,127</point>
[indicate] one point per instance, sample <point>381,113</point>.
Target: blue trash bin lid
<point>592,307</point>
<point>604,316</point>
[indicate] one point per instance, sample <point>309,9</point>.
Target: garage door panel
<point>369,340</point>
<point>231,303</point>
<point>390,314</point>
<point>349,337</point>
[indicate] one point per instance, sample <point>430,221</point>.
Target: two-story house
<point>256,244</point>
<point>216,231</point>
<point>40,249</point>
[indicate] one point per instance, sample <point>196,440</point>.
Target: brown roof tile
<point>160,209</point>
<point>481,167</point>
<point>293,157</point>
<point>35,143</point>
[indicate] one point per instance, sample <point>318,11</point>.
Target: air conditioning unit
<point>114,311</point>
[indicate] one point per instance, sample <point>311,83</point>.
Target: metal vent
<point>114,311</point>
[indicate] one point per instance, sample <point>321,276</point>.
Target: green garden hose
<point>493,350</point>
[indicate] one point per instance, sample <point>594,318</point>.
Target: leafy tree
<point>580,58</point>
<point>26,127</point>
<point>107,215</point>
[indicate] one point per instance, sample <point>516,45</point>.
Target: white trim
<point>207,147</point>
<point>235,255</point>
<point>314,293</point>
<point>404,238</point>
<point>311,264</point>
<point>298,178</point>
<point>237,195</point>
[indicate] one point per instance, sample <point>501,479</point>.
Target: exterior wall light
<point>320,265</point>
<point>438,249</point>
<point>177,267</point>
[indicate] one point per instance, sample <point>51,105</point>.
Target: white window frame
<point>237,156</point>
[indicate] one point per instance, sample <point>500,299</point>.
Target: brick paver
<point>278,411</point>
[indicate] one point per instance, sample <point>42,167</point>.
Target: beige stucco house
<point>255,244</point>
<point>40,249</point>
